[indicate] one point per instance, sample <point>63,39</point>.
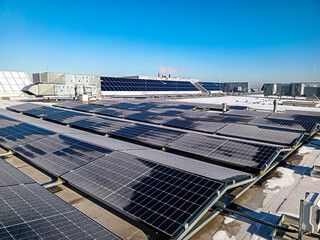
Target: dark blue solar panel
<point>128,84</point>
<point>211,86</point>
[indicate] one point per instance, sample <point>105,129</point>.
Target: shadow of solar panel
<point>207,126</point>
<point>21,133</point>
<point>133,131</point>
<point>286,124</point>
<point>160,136</point>
<point>179,122</point>
<point>32,212</point>
<point>60,154</point>
<point>260,134</point>
<point>248,113</point>
<point>10,176</point>
<point>101,125</point>
<point>162,197</point>
<point>231,152</point>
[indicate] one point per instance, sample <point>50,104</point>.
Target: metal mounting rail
<point>9,153</point>
<point>57,182</point>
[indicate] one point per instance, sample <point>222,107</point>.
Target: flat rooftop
<point>276,193</point>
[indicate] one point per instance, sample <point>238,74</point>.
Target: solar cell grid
<point>132,131</point>
<point>9,175</point>
<point>207,126</point>
<point>296,117</point>
<point>231,152</point>
<point>101,125</point>
<point>260,134</point>
<point>21,133</point>
<point>286,124</point>
<point>142,116</point>
<point>60,154</point>
<point>179,122</point>
<point>160,196</point>
<point>88,108</point>
<point>31,212</point>
<point>67,116</point>
<point>160,136</point>
<point>248,113</point>
<point>127,84</point>
<point>23,107</point>
<point>67,104</point>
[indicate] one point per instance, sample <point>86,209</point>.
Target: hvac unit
<point>269,89</point>
<point>297,89</point>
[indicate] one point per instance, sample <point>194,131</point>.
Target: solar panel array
<point>29,211</point>
<point>165,137</point>
<point>160,196</point>
<point>129,84</point>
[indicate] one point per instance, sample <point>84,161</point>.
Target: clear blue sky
<point>257,41</point>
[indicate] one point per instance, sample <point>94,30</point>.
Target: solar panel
<point>88,108</point>
<point>179,122</point>
<point>60,154</point>
<point>101,125</point>
<point>110,112</point>
<point>9,175</point>
<point>206,126</point>
<point>260,134</point>
<point>231,152</point>
<point>286,124</point>
<point>67,116</point>
<point>133,131</point>
<point>160,136</point>
<point>23,107</point>
<point>296,117</point>
<point>248,113</point>
<point>142,116</point>
<point>211,86</point>
<point>67,104</point>
<point>160,196</point>
<point>31,212</point>
<point>21,133</point>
